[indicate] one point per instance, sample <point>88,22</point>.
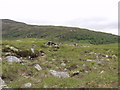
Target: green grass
<point>16,74</point>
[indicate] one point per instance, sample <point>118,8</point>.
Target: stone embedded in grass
<point>8,54</point>
<point>38,67</point>
<point>86,46</point>
<point>114,56</point>
<point>14,49</point>
<point>12,59</point>
<point>59,74</point>
<point>63,64</point>
<point>1,81</point>
<point>2,84</point>
<point>42,53</point>
<point>94,61</point>
<point>28,53</point>
<point>102,71</point>
<point>56,46</point>
<point>51,43</point>
<point>18,40</point>
<point>32,49</point>
<point>75,73</point>
<point>27,85</point>
<point>10,48</point>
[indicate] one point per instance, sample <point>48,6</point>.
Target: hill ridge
<point>13,30</point>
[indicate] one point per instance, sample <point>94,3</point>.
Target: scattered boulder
<point>91,60</point>
<point>65,69</point>
<point>75,73</point>
<point>2,84</point>
<point>102,72</point>
<point>1,81</point>
<point>42,53</point>
<point>53,59</point>
<point>28,53</point>
<point>8,48</point>
<point>38,67</point>
<point>95,61</point>
<point>59,74</point>
<point>114,56</point>
<point>3,87</point>
<point>63,64</point>
<point>82,59</point>
<point>8,54</point>
<point>86,46</point>
<point>18,40</point>
<point>75,44</point>
<point>12,59</point>
<point>32,49</point>
<point>49,43</point>
<point>91,53</point>
<point>14,49</point>
<point>104,55</point>
<point>56,46</point>
<point>27,85</point>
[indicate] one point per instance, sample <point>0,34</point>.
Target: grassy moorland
<point>90,58</point>
<point>97,65</point>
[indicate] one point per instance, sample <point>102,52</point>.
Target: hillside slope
<point>15,30</point>
<point>87,65</point>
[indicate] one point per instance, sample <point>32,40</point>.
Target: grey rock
<point>75,73</point>
<point>49,43</point>
<point>38,67</point>
<point>1,81</point>
<point>2,84</point>
<point>114,56</point>
<point>13,48</point>
<point>56,46</point>
<point>8,54</point>
<point>63,64</point>
<point>32,49</point>
<point>59,74</point>
<point>12,59</point>
<point>94,61</point>
<point>27,85</point>
<point>18,40</point>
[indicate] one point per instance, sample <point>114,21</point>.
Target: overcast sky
<point>100,15</point>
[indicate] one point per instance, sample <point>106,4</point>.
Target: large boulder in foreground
<point>59,74</point>
<point>12,59</point>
